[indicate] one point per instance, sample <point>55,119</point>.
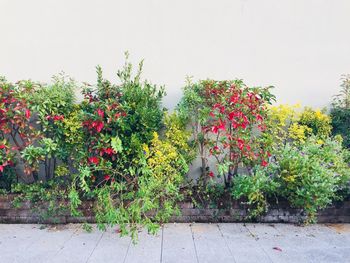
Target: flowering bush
<point>15,127</point>
<point>120,148</point>
<point>227,118</point>
<point>51,104</point>
<point>123,163</point>
<point>236,121</point>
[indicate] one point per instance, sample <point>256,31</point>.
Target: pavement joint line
<point>194,244</point>
<point>228,247</point>
<point>93,250</point>
<point>127,251</point>
<point>161,245</point>
<point>274,227</point>
<point>256,240</point>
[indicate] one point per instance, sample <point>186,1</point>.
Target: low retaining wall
<point>27,213</point>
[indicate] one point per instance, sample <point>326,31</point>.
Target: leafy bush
<point>16,129</point>
<point>287,123</point>
<point>317,120</point>
<point>122,149</point>
<point>312,175</point>
<point>123,163</point>
<point>279,122</point>
<point>225,116</point>
<point>340,112</point>
<point>255,189</point>
<point>48,199</point>
<point>152,196</point>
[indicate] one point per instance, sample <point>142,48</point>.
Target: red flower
<point>107,177</point>
<point>98,125</point>
<point>1,168</point>
<point>2,146</point>
<point>240,143</point>
<point>262,127</point>
<point>58,118</point>
<point>214,129</point>
<point>211,174</point>
<point>220,107</point>
<point>231,115</point>
<point>264,163</point>
<point>109,151</point>
<point>93,160</point>
<point>221,126</point>
<point>27,113</point>
<point>234,99</point>
<point>259,117</point>
<point>100,113</point>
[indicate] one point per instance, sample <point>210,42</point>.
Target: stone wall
<point>27,213</point>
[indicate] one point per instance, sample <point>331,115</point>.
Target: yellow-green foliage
<point>73,128</point>
<point>62,170</point>
<point>317,120</point>
<point>280,119</point>
<point>299,133</point>
<point>178,136</point>
<point>288,123</point>
<point>164,159</point>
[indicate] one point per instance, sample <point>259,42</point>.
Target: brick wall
<point>337,213</point>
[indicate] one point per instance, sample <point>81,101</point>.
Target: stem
<point>54,166</point>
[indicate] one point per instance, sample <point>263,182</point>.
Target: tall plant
<point>340,112</point>
<point>227,118</point>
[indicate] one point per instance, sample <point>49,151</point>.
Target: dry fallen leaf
<point>277,248</point>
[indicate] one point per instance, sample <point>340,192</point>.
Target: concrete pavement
<point>196,243</point>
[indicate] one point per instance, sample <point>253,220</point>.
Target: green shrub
<point>255,189</point>
<point>313,175</point>
<point>340,112</point>
<point>317,120</point>
<point>123,162</point>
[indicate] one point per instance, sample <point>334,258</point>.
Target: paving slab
<point>198,243</point>
<point>79,247</point>
<point>15,240</point>
<point>243,246</point>
<point>280,247</point>
<point>210,244</point>
<point>178,244</point>
<point>147,250</point>
<point>289,243</point>
<point>51,240</point>
<point>111,248</point>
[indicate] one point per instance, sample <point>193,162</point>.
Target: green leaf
<point>116,144</point>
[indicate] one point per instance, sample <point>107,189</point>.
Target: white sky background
<point>299,46</point>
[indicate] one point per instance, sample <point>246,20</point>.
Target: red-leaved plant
<point>15,126</point>
<point>236,121</point>
<point>227,119</point>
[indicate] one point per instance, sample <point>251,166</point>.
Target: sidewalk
<point>177,243</point>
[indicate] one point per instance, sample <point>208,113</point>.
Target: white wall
<point>300,46</point>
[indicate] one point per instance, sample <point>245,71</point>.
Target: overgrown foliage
<point>121,149</point>
<point>340,112</point>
